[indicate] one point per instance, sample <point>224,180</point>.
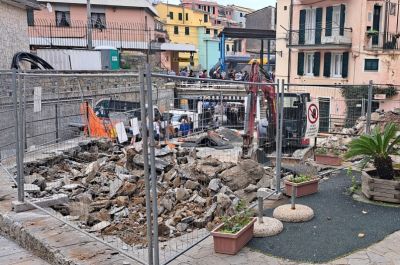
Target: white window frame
<point>337,65</point>
<point>309,64</point>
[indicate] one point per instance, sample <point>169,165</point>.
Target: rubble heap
<point>105,184</point>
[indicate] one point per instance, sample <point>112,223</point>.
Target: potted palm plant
<point>303,185</point>
<point>235,232</point>
<point>330,157</point>
<point>382,182</point>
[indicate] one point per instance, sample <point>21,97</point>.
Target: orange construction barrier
<point>95,126</point>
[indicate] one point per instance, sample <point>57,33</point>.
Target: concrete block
<point>269,193</point>
<point>41,202</point>
<point>32,188</point>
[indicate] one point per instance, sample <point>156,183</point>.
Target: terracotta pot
<point>303,189</point>
<point>329,160</point>
<point>225,243</point>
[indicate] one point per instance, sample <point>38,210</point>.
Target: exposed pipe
<point>290,39</point>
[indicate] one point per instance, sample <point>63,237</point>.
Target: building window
<point>187,16</point>
<point>98,20</point>
<point>30,17</point>
<point>199,6</point>
<point>336,64</point>
<point>171,15</point>
<point>205,18</point>
<point>187,31</point>
<point>309,64</point>
<point>285,8</point>
<point>215,32</point>
<point>219,22</point>
<point>180,16</point>
<point>227,47</point>
<point>213,10</point>
<point>208,31</point>
<point>63,19</point>
<point>176,30</point>
<point>241,14</point>
<point>371,65</point>
<point>208,9</point>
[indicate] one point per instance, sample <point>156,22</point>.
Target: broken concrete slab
<point>31,188</point>
<point>41,202</point>
<point>100,226</point>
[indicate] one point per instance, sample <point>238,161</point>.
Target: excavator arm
<point>258,75</point>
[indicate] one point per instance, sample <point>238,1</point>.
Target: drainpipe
<point>290,39</point>
<point>398,9</point>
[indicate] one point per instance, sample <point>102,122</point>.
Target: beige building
<point>338,42</point>
<point>14,29</point>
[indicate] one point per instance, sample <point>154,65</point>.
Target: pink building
<point>121,24</point>
<point>338,42</point>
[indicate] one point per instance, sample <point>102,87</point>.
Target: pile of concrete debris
<point>106,188</point>
<point>344,136</point>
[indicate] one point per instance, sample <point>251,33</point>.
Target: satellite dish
<point>49,7</point>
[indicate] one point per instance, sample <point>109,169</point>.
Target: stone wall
<point>62,98</point>
<point>14,33</point>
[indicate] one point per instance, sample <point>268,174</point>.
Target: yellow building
<point>185,26</point>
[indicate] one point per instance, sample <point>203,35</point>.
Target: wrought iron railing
<point>45,33</point>
<point>320,36</point>
<point>382,41</point>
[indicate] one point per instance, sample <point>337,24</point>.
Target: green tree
<point>378,148</point>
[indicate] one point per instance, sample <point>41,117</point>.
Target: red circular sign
<point>313,113</point>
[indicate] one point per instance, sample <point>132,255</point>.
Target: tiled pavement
<point>386,252</point>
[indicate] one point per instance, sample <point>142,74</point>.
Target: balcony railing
<point>45,33</point>
<point>323,37</point>
<point>382,41</point>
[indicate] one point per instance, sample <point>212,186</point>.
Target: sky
<point>254,4</point>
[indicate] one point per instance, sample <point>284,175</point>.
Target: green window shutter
<point>300,63</point>
<point>345,65</point>
<point>342,19</point>
<point>318,26</point>
<point>327,64</point>
<point>302,26</point>
<point>317,62</point>
<point>328,24</point>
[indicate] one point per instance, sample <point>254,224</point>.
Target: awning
<point>178,47</point>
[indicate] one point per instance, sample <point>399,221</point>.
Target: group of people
<point>232,75</point>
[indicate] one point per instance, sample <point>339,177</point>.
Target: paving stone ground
<point>12,254</point>
<point>386,252</point>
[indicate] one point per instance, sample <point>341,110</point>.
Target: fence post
<point>146,165</point>
<point>56,121</point>
<point>152,163</point>
<point>279,126</point>
<point>369,107</point>
<point>17,142</point>
<point>21,125</point>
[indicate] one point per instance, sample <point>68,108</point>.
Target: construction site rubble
<point>106,188</point>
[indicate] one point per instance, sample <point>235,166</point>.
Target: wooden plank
<point>392,183</point>
<point>381,194</point>
<point>387,191</point>
<point>382,186</point>
<point>384,199</point>
<point>366,191</point>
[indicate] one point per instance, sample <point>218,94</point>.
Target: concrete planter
<point>329,160</point>
<point>232,243</point>
<point>380,189</point>
<point>302,189</point>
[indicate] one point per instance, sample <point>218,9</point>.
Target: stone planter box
<point>380,189</point>
<point>329,160</point>
<point>302,189</point>
<point>225,243</point>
